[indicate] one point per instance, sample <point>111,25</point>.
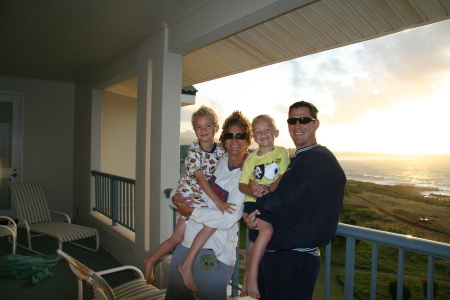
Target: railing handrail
<point>116,177</point>
<point>114,198</point>
<point>402,242</point>
<point>396,240</point>
<point>352,233</point>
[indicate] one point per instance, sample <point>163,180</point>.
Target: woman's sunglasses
<point>302,120</point>
<point>239,136</point>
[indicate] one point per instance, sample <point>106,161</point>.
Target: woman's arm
<point>206,187</point>
<point>213,217</point>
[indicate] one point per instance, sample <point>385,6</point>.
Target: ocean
<point>431,171</point>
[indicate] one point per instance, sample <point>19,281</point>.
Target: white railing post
<point>349,268</point>
<point>373,283</point>
<point>430,281</point>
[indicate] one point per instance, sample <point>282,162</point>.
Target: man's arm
<point>310,186</point>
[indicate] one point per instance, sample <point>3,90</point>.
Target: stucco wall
<point>118,145</point>
<point>48,124</point>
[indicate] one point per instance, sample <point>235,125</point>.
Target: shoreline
<point>426,191</point>
<point>414,214</point>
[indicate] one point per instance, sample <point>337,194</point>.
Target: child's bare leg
<point>163,249</point>
<point>244,291</point>
<point>185,268</point>
<point>250,285</point>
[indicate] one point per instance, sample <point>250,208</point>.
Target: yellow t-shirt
<point>267,167</point>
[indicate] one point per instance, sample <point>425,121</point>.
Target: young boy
<point>201,161</point>
<point>261,173</point>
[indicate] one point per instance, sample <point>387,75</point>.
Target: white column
<point>158,138</point>
<point>96,138</point>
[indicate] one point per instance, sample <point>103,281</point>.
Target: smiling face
<point>303,135</point>
<point>205,128</point>
<point>235,146</point>
<point>264,133</point>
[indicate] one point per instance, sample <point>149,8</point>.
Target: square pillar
<point>158,138</point>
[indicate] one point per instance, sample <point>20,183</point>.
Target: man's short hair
<point>312,109</point>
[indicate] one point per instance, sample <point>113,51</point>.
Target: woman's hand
<point>251,220</point>
<point>182,206</point>
<point>176,199</point>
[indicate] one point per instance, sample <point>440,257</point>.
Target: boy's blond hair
<point>265,118</point>
<point>204,111</point>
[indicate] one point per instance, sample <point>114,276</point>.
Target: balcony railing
<point>403,243</point>
<point>114,198</point>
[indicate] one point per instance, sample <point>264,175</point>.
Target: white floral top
<point>198,159</point>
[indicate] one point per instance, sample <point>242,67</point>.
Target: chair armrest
<point>22,222</point>
<point>144,296</point>
<point>62,214</point>
<point>10,221</point>
<point>119,269</point>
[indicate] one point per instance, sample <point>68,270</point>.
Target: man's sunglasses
<point>302,120</point>
<point>239,136</point>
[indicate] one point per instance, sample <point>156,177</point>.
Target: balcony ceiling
<point>57,40</point>
<point>66,40</point>
<point>319,26</point>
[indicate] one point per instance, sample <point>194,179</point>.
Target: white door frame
<point>15,172</point>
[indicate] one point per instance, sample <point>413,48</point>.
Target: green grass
<point>396,209</point>
<point>363,280</point>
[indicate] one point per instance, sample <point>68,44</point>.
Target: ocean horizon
<point>431,170</point>
<point>421,170</point>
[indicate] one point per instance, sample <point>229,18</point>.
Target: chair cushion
<point>138,287</point>
<point>64,232</point>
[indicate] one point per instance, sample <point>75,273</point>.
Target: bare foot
<point>244,291</point>
<point>188,277</point>
<point>252,286</point>
<point>149,277</point>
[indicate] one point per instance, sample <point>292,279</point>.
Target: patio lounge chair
<point>34,215</point>
<point>134,289</point>
<point>9,230</point>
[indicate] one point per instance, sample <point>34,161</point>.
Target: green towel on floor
<point>36,267</point>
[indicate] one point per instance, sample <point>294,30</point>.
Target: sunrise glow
<point>387,95</point>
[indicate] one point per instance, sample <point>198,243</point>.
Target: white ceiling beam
<point>222,18</point>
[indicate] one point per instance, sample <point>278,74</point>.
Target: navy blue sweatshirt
<point>307,203</point>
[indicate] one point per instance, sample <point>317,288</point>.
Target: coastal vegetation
<point>398,209</point>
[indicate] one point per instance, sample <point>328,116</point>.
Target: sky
<point>386,95</point>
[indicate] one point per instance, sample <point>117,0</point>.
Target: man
<point>305,211</point>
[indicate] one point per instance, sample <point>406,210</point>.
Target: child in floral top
<point>201,161</point>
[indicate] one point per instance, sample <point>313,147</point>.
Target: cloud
<point>348,82</point>
<point>354,87</point>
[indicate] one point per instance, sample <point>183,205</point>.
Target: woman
<point>213,266</point>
